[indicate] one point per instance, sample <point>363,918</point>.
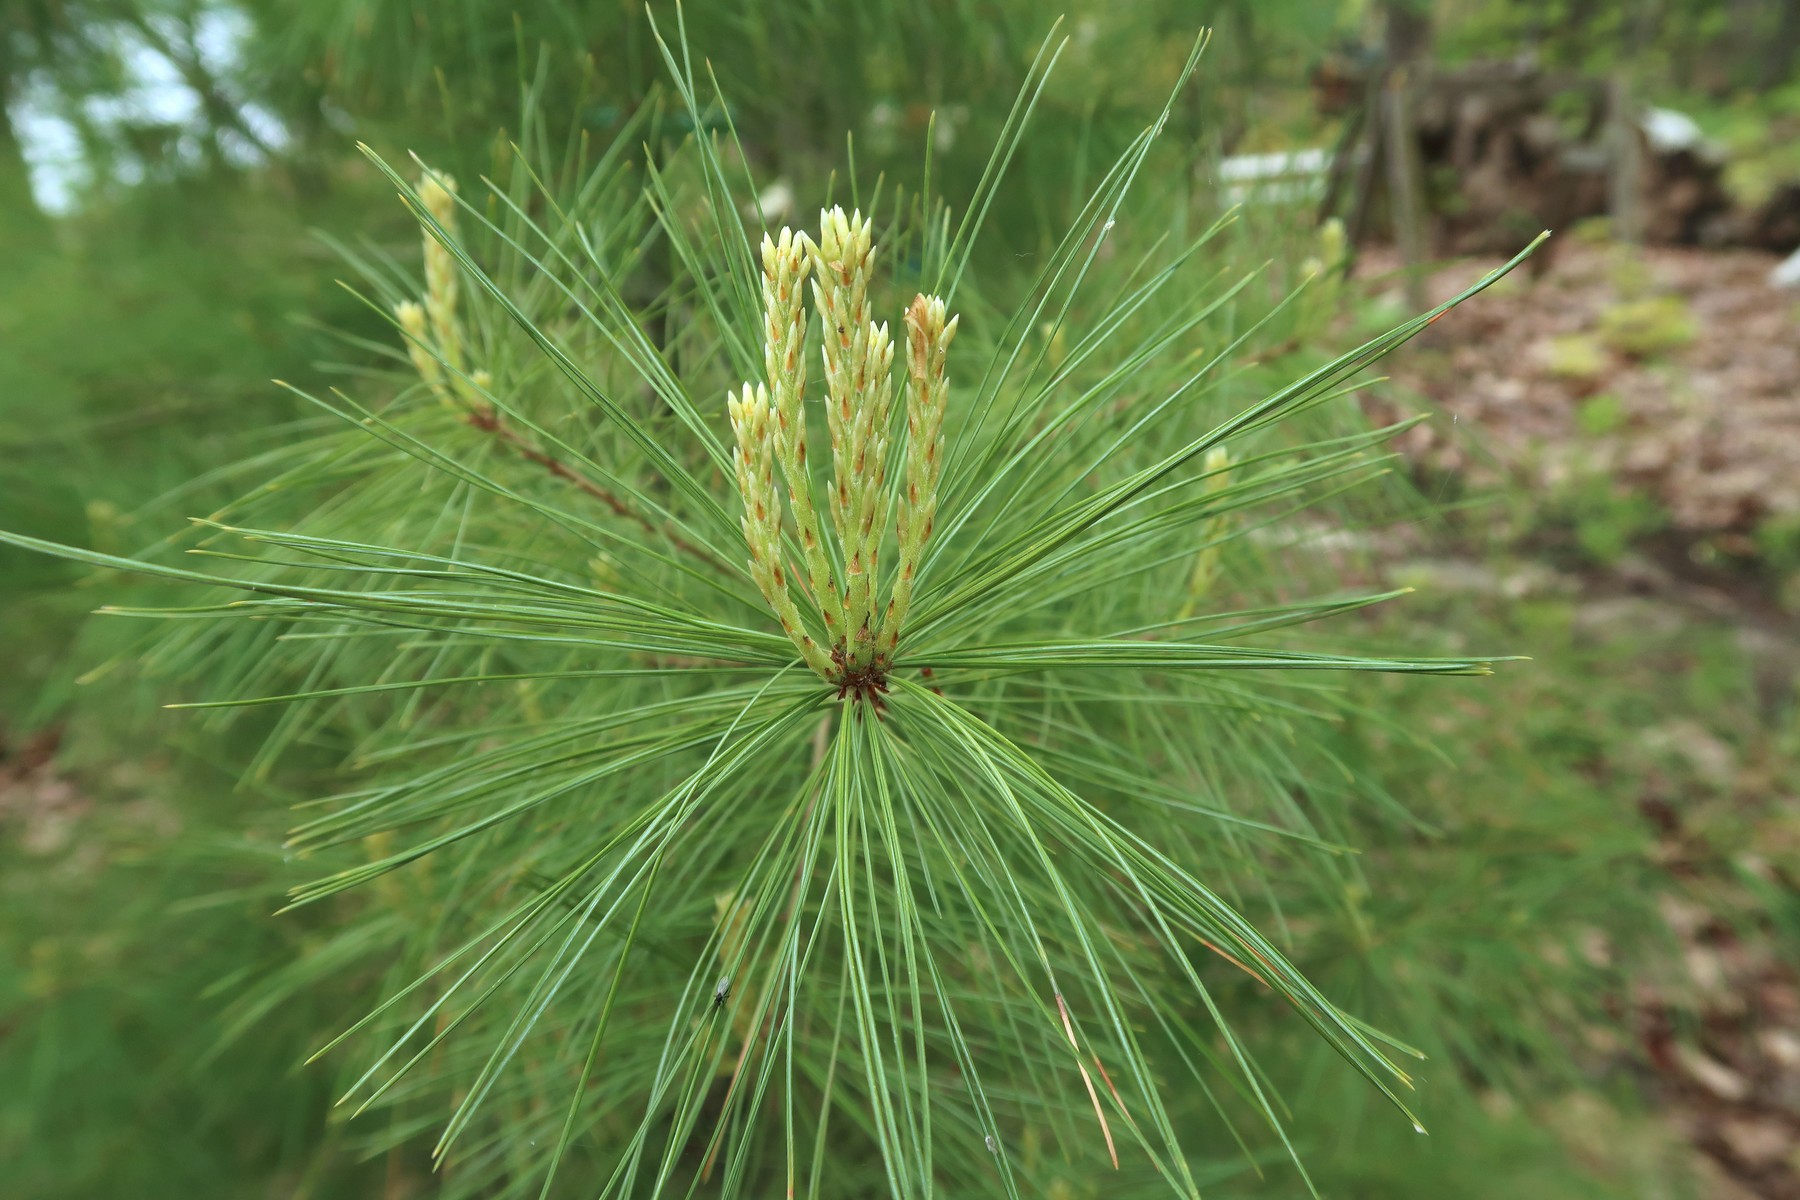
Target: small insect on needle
<point>722,993</point>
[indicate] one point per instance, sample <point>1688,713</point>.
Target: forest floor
<point>1673,372</point>
<point>1636,412</point>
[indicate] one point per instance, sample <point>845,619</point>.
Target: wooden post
<point>1408,39</point>
<point>1374,145</point>
<point>1625,154</point>
<point>1405,191</point>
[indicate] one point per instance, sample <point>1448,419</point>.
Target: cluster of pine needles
<point>700,843</point>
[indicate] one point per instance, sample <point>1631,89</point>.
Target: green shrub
<point>1601,415</point>
<point>1648,328</point>
<point>1607,517</point>
<point>1578,356</point>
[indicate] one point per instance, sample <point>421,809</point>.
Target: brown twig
<point>488,421</point>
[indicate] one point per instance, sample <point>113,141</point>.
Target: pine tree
<point>769,770</point>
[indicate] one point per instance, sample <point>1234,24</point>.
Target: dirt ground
<point>1673,371</point>
<point>1547,387</point>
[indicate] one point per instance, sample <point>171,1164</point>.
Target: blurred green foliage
<point>1677,45</point>
<point>1649,327</point>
